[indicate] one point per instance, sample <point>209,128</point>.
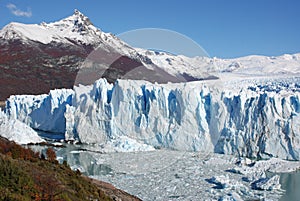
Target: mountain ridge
<point>37,58</point>
<point>76,24</point>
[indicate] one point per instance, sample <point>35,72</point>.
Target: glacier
<point>258,119</point>
<point>17,131</point>
<point>41,112</point>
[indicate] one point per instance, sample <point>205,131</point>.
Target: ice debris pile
<point>250,179</point>
<point>194,116</point>
<point>17,131</point>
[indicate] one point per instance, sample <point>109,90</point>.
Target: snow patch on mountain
<point>260,65</point>
<point>180,65</point>
<point>211,68</point>
<point>76,27</point>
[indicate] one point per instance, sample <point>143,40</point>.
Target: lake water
<point>291,184</point>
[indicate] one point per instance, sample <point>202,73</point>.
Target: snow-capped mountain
<point>36,58</point>
<point>76,29</point>
<point>47,56</point>
<point>248,65</point>
<point>73,29</point>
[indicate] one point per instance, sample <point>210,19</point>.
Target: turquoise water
<point>291,183</point>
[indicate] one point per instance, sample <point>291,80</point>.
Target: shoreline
<point>112,191</point>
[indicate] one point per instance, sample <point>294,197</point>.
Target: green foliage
<point>15,183</point>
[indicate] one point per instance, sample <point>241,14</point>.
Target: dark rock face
<point>35,68</point>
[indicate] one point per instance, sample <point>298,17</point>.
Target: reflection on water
<point>83,160</point>
<point>291,183</point>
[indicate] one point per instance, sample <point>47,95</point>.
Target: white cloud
<point>17,12</point>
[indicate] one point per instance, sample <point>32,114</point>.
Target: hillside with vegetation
<point>28,175</point>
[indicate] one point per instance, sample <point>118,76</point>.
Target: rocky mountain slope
<point>35,58</point>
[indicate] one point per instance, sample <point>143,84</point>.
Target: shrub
<point>51,155</point>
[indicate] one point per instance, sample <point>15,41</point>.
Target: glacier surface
<point>254,119</point>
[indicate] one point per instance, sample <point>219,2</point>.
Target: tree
<point>51,155</point>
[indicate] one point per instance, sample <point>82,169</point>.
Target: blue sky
<point>225,29</point>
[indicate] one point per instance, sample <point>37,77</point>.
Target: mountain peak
<point>80,18</point>
<point>78,22</point>
<point>76,27</point>
<point>78,13</point>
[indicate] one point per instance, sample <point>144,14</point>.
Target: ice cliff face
<point>41,112</point>
<point>261,125</point>
<point>154,114</point>
<point>258,121</point>
<point>17,131</point>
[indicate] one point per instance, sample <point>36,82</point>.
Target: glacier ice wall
<point>189,116</point>
<point>154,114</point>
<point>194,116</point>
<point>42,112</point>
<point>261,125</point>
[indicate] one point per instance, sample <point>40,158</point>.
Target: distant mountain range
<point>36,58</point>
